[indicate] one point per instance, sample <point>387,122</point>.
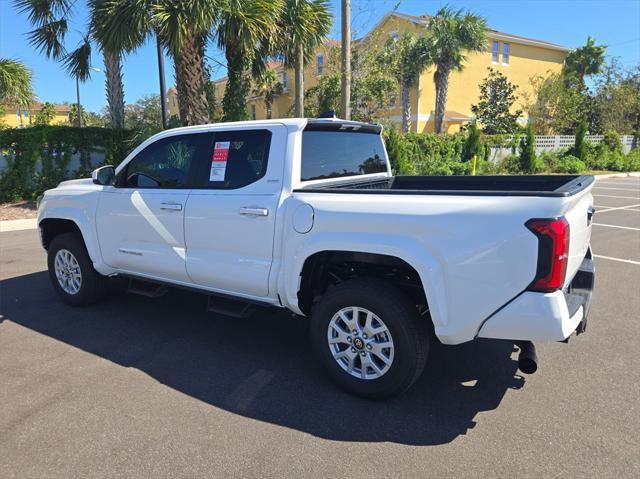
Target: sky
<point>615,23</point>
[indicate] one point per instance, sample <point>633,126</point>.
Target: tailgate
<point>579,215</point>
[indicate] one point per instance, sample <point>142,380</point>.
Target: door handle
<point>253,211</point>
<point>171,206</point>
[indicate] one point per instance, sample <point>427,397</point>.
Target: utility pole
<point>346,59</point>
<point>163,88</point>
<point>79,107</point>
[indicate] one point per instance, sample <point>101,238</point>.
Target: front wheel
<point>71,271</point>
<point>370,337</point>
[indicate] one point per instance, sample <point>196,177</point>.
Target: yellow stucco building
<point>22,117</point>
<point>518,58</point>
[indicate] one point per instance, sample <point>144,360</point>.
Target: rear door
<point>231,213</point>
<point>140,220</point>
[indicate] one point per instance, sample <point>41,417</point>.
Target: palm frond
<point>15,83</point>
<point>78,62</point>
<point>177,20</point>
<point>121,26</point>
<point>43,11</point>
<point>48,39</point>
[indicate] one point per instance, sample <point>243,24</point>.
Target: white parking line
<point>617,226</point>
<point>630,261</point>
<point>614,209</point>
<point>618,183</point>
<point>607,188</point>
<point>624,197</point>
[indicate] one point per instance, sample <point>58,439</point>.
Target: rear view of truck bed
<point>531,185</point>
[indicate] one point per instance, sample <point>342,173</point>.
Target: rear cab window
<point>334,150</point>
<point>236,159</point>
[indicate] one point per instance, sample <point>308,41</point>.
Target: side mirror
<point>103,175</point>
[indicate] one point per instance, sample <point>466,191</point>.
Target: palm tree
<point>268,87</point>
<point>246,31</point>
<point>182,28</point>
<point>450,34</point>
<point>50,18</point>
<point>586,60</point>
<point>16,86</point>
<point>305,25</point>
<point>406,57</point>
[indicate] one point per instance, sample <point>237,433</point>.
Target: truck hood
<point>77,182</point>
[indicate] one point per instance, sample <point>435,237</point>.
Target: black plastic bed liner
<point>502,185</point>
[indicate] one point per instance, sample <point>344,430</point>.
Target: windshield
<point>335,154</point>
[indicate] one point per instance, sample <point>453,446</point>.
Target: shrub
<point>580,148</point>
<point>570,164</point>
<point>632,161</point>
<point>473,144</point>
<point>528,151</point>
<point>611,141</point>
<point>38,157</point>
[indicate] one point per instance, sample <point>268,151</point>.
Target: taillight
<point>553,253</point>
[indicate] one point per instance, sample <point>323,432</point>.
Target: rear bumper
<point>546,316</point>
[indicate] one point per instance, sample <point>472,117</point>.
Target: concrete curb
<point>634,174</point>
<point>17,225</point>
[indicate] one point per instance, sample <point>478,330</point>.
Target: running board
<point>146,288</point>
<point>229,307</point>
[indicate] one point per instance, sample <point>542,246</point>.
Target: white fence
<point>560,142</point>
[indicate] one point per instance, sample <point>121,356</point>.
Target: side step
<point>229,307</point>
<point>146,288</point>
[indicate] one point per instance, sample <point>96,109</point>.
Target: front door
<point>231,212</point>
<point>140,220</point>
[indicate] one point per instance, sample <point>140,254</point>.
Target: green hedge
<point>39,157</point>
<point>429,154</point>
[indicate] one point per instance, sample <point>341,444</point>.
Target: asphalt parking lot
<point>158,388</point>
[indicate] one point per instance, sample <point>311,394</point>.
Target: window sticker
<point>219,161</point>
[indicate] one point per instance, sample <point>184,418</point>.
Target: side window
<point>165,163</point>
<point>236,159</point>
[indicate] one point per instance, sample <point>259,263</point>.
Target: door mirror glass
<point>103,175</point>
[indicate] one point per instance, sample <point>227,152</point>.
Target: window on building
<point>253,112</point>
<point>505,53</point>
<point>320,64</point>
<point>285,81</point>
<point>495,52</point>
<point>394,35</point>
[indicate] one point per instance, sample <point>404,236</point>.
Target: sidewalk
<point>17,225</point>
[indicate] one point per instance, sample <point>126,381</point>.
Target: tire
<point>396,368</point>
<point>91,287</point>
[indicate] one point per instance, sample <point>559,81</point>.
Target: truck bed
<point>500,185</point>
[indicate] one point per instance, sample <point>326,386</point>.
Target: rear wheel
<point>71,271</point>
<point>370,337</point>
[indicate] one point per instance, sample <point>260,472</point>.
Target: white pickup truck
<point>305,214</point>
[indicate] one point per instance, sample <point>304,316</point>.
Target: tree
<point>450,34</point>
<point>495,106</point>
<point>303,26</point>
<point>372,88</point>
<point>73,115</point>
<point>246,31</point>
<point>555,108</point>
<point>46,114</point>
<point>407,57</point>
<point>528,150</point>
<point>50,19</point>
<point>182,28</point>
<point>16,85</point>
<point>268,87</point>
<point>586,60</point>
<point>615,103</point>
<point>324,96</point>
